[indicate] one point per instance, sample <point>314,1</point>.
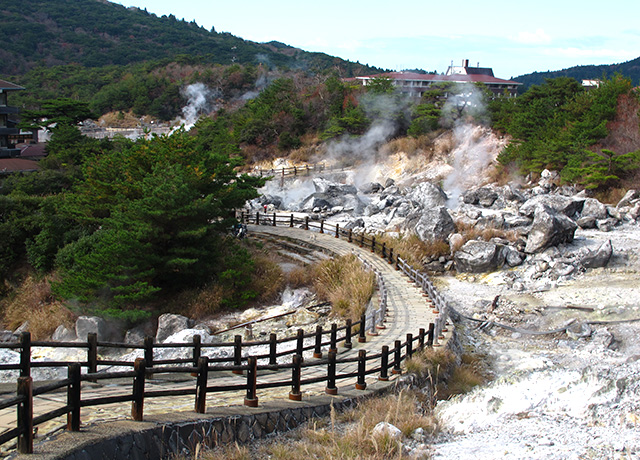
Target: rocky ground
<point>552,300</point>
<point>565,395</point>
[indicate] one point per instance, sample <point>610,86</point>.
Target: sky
<point>512,37</point>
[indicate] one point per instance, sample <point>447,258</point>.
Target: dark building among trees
<point>8,123</point>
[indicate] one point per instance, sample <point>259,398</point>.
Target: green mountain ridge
<point>629,69</point>
<point>97,33</point>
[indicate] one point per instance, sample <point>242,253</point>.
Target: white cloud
<point>539,37</point>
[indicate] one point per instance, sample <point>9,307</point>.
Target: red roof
<point>32,150</point>
<point>5,85</point>
<point>457,78</point>
<point>11,165</point>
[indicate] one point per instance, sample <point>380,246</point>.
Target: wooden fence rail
<point>199,388</point>
<point>363,240</point>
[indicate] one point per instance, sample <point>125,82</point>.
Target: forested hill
<point>97,33</point>
<point>629,69</point>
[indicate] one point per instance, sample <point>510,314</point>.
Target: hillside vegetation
<point>629,69</point>
<point>120,226</point>
<point>95,33</point>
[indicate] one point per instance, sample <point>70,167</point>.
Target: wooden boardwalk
<point>408,311</point>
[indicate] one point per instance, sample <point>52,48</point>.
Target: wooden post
<point>362,338</point>
<point>384,364</point>
<point>306,222</point>
<point>137,405</point>
<point>237,353</point>
<point>274,219</point>
<point>73,397</point>
<point>148,354</point>
<point>295,394</point>
<point>317,351</point>
<point>409,345</point>
<point>273,344</point>
<point>337,230</point>
<point>197,349</point>
<point>322,226</point>
<point>362,364</point>
<point>384,250</point>
<point>333,346</point>
<point>25,354</point>
<point>430,334</point>
<point>92,353</point>
<point>25,415</point>
<point>362,239</point>
<point>331,375</point>
<point>251,399</point>
<point>421,335</point>
<point>350,238</point>
<point>347,335</point>
<point>373,244</point>
<point>291,221</point>
<point>396,358</point>
<point>390,256</point>
<point>300,343</point>
<point>201,384</point>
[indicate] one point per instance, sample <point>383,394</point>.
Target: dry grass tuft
<point>345,436</point>
<point>345,283</point>
<point>300,277</point>
<point>411,146</point>
<point>412,249</point>
<point>34,302</point>
<point>474,232</point>
<point>611,196</point>
<point>203,302</point>
<point>267,278</point>
<point>449,376</point>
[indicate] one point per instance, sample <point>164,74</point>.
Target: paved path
<point>408,310</point>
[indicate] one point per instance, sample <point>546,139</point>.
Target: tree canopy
<point>557,124</point>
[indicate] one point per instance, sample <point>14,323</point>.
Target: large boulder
<point>629,198</point>
<point>63,334</point>
<point>169,324</point>
<point>568,206</point>
<point>434,224</point>
<point>332,188</point>
<point>479,256</point>
<point>484,196</point>
<point>371,187</point>
<point>594,208</point>
<point>427,195</point>
<point>549,228</point>
<point>92,324</point>
<point>599,257</point>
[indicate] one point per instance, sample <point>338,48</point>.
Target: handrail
<point>241,364</point>
<point>387,253</point>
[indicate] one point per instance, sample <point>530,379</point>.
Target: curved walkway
<point>408,311</point>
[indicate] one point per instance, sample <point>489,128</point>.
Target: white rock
<point>385,428</point>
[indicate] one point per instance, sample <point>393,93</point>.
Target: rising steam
<point>201,100</point>
<point>474,149</point>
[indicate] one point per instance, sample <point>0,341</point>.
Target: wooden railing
<point>363,240</point>
<point>300,170</point>
<point>238,360</point>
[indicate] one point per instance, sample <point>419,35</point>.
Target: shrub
<point>34,302</point>
<point>345,283</point>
